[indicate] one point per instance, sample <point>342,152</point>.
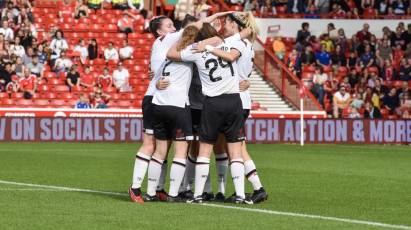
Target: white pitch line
<point>265,211</point>
<point>33,189</point>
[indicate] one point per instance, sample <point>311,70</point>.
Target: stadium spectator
<point>82,103</point>
<point>63,63</point>
<point>373,79</point>
<point>279,48</point>
<point>27,56</point>
<point>370,96</point>
<point>405,70</point>
<point>111,53</point>
<point>384,52</point>
<point>9,12</point>
<point>293,62</point>
<point>251,5</point>
<point>87,78</point>
<point>136,5</point>
<point>364,34</point>
<point>82,49</point>
<point>367,59</point>
<point>295,6</point>
<point>36,67</point>
<point>308,56</point>
<point>81,10</point>
<point>353,113</point>
<point>382,7</point>
<point>388,72</point>
<point>41,54</point>
<point>99,100</point>
<point>337,12</point>
<point>5,76</point>
<point>6,31</point>
<point>119,4</point>
<point>371,112</point>
<point>400,7</point>
<point>391,101</point>
<point>73,77</point>
<point>367,4</point>
<point>105,80</point>
<point>58,44</point>
<point>322,57</point>
<point>120,78</point>
<point>126,51</point>
<point>327,42</point>
<point>126,23</point>
<point>338,58</point>
<point>304,33</point>
<point>182,9</point>
<point>357,102</point>
<point>380,89</point>
<point>18,65</point>
<point>27,84</point>
<point>323,6</point>
<point>397,38</point>
<point>319,80</point>
<point>405,105</point>
<point>404,89</point>
<point>95,4</point>
<point>341,101</point>
<point>93,49</point>
<point>16,48</point>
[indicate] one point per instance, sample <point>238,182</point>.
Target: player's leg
<point>221,159</point>
<point>141,162</point>
<point>210,123</point>
<point>234,133</point>
<point>160,120</point>
<point>160,192</point>
<point>145,152</point>
<point>154,169</point>
<point>259,193</point>
<point>181,132</point>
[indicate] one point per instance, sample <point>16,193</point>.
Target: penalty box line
<point>265,211</point>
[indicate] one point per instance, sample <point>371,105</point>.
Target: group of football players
<point>198,102</point>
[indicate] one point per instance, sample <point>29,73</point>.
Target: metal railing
<point>276,72</point>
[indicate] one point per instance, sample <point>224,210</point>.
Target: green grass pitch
<point>356,182</point>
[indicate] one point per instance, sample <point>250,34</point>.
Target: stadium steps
<point>265,94</point>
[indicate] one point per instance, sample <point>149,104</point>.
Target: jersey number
<point>164,69</point>
<point>212,65</point>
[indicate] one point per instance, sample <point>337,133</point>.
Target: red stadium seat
<point>24,102</point>
<point>4,95</point>
<point>115,96</point>
<point>124,103</point>
<point>109,90</point>
<point>41,102</point>
<point>57,102</point>
<point>16,95</point>
<point>7,102</point>
<point>49,95</point>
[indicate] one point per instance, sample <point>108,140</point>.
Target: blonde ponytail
<point>188,37</point>
<point>247,18</point>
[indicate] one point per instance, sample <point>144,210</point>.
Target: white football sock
<point>162,181</point>
<point>202,169</point>
<point>237,172</point>
<point>189,175</point>
<point>176,175</point>
<point>154,171</point>
<point>207,186</point>
<point>221,161</point>
<point>140,169</point>
<point>251,174</point>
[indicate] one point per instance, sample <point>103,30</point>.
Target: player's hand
<point>244,85</point>
<point>150,74</point>
<point>162,84</point>
<point>198,47</point>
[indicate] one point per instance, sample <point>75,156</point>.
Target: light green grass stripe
<point>265,211</point>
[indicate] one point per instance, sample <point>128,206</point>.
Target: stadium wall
<point>289,27</point>
<point>258,130</point>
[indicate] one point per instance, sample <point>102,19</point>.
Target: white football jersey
<point>176,94</point>
<point>245,67</point>
<point>158,55</point>
<point>217,76</point>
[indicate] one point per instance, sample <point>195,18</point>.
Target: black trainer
<point>186,195</point>
<point>219,197</point>
<point>174,199</point>
<point>231,199</point>
<point>240,200</point>
<point>259,196</point>
<point>195,200</point>
<point>208,196</point>
<point>148,198</point>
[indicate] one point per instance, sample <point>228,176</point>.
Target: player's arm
<point>210,19</point>
<point>231,56</point>
<point>173,54</point>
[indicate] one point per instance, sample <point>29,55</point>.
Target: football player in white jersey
<point>159,27</point>
<point>163,29</point>
<point>234,23</point>
<point>172,121</point>
<point>222,112</point>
